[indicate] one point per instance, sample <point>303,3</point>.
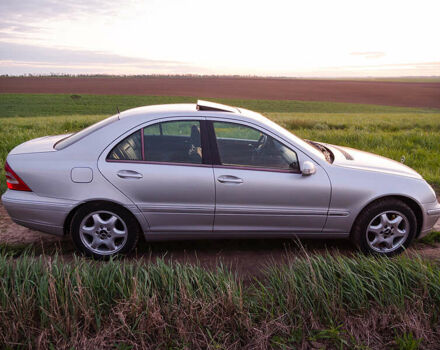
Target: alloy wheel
<point>103,232</point>
<point>388,231</point>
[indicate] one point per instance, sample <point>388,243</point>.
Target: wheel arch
<point>69,217</point>
<point>415,207</point>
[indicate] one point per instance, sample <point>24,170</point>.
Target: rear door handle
<point>129,174</point>
<point>229,179</point>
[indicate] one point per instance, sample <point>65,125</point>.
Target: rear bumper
<point>431,214</point>
<point>35,212</point>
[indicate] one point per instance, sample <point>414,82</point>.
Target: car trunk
<point>38,145</point>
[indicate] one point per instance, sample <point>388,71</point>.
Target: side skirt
<point>202,235</point>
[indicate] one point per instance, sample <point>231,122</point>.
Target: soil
<point>245,257</point>
<point>406,94</point>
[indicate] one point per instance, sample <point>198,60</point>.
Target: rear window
<point>67,141</point>
<point>129,148</point>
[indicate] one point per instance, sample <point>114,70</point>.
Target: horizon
<point>191,75</point>
<point>291,39</point>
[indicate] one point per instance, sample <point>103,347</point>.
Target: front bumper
<point>431,214</point>
<point>35,212</point>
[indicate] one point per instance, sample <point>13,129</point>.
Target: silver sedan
<point>206,170</point>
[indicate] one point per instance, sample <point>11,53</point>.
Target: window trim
<point>208,142</point>
<point>216,153</point>
<point>206,159</point>
<point>156,163</point>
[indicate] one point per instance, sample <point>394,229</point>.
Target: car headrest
<point>195,136</point>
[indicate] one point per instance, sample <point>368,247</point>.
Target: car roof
<point>201,108</point>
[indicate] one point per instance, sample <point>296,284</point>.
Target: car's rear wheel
<point>101,230</point>
<point>385,227</point>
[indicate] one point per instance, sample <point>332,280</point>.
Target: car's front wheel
<point>385,227</point>
<point>102,230</point>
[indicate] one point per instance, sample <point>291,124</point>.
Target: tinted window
<point>174,142</point>
<point>153,130</point>
<point>129,148</point>
<point>240,145</point>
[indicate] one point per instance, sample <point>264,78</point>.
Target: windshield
<point>299,141</point>
<point>72,138</point>
<point>329,157</point>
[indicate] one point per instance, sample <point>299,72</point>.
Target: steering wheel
<point>261,142</point>
<point>259,147</point>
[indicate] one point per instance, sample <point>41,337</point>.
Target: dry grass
<point>333,302</point>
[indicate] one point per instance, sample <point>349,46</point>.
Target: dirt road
<point>405,94</point>
<point>246,257</point>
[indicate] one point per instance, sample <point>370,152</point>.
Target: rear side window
<point>129,148</point>
<point>173,142</point>
<point>167,142</point>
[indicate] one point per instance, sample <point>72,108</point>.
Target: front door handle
<point>229,179</point>
<point>129,174</point>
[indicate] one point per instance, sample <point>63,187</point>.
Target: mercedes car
<point>205,170</point>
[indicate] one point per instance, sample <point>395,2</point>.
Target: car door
<point>163,169</point>
<point>259,184</point>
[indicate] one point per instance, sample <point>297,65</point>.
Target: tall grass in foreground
<point>338,302</point>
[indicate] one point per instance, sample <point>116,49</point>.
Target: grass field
<point>389,131</point>
<point>310,302</point>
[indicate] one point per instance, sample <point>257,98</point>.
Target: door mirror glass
<point>308,168</point>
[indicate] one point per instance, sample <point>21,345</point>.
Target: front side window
<point>243,146</point>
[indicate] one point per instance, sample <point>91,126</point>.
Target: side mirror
<point>308,168</point>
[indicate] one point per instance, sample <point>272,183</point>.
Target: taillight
<point>13,181</point>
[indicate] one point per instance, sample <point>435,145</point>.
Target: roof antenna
<point>117,108</point>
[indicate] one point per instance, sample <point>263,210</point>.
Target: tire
<point>386,227</point>
<point>102,230</point>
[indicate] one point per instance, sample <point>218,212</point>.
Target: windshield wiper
<point>327,153</point>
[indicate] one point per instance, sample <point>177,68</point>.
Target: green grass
<point>432,238</point>
<point>416,136</point>
<point>389,131</point>
<point>333,302</point>
<point>339,302</point>
<point>14,131</point>
<point>31,105</point>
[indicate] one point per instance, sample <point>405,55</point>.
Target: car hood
<point>41,144</point>
<point>353,158</point>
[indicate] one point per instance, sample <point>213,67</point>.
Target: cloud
<point>23,59</point>
<point>30,53</point>
<point>376,70</point>
<point>25,19</point>
<point>408,66</point>
<point>51,9</point>
<point>8,25</point>
<point>369,54</point>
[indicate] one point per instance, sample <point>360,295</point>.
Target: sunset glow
<point>278,38</point>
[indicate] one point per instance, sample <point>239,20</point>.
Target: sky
<point>307,38</point>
